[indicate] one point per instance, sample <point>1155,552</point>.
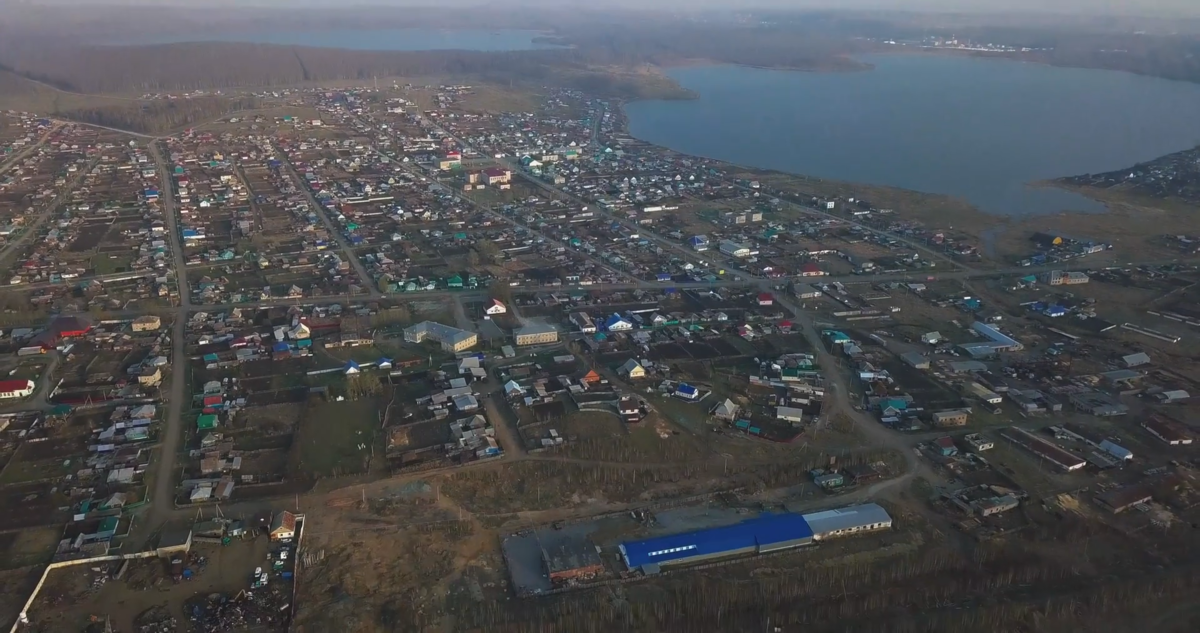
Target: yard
<point>339,438</point>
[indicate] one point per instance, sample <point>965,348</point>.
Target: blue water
<point>979,129</point>
<point>378,40</point>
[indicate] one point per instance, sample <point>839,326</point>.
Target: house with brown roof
<point>283,526</point>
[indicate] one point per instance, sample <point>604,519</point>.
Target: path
<point>162,470</point>
<point>19,156</point>
<point>335,233</point>
<point>45,214</point>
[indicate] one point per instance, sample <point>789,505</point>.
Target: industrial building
<point>766,533</point>
<point>1166,430</point>
<point>16,388</point>
<point>916,360</point>
<point>999,341</point>
<point>761,535</point>
<point>1122,499</point>
<point>733,249</point>
<point>572,561</point>
<point>452,339</point>
<point>868,517</point>
<point>982,393</point>
<point>1048,451</point>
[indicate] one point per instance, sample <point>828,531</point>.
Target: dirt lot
<point>75,596</point>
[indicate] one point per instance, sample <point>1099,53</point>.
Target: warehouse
<point>868,517</point>
<point>766,533</point>
<point>1044,450</point>
<point>572,561</point>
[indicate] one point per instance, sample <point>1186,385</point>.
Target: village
<point>402,313</point>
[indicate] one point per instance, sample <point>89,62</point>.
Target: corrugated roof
<point>764,530</point>
<point>846,518</point>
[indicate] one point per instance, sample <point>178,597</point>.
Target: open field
<point>338,438</point>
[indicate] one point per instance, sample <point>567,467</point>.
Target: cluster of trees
<point>160,116</point>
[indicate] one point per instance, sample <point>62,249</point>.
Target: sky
<point>1077,7</point>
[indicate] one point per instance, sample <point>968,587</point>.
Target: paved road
<point>163,470</point>
<point>335,232</point>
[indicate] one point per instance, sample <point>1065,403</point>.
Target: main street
<point>162,471</point>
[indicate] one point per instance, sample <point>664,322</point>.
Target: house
<point>811,269</point>
<point>766,299</point>
<point>16,388</point>
<point>931,338</point>
<point>584,322</point>
<point>150,376</point>
<point>687,392</point>
<point>789,414</point>
<point>632,370</point>
<point>495,307</point>
<point>945,447</point>
<point>726,410</point>
<point>630,409</point>
<point>148,323</point>
<point>617,323</point>
<point>283,526</point>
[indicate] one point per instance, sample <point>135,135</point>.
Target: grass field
<point>338,438</point>
<point>22,471</point>
<point>30,547</point>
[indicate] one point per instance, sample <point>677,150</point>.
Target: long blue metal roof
<point>761,531</point>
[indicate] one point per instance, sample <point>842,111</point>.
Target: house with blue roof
<point>617,323</point>
<point>664,277</point>
<point>384,363</point>
<point>767,533</point>
<point>350,368</point>
<point>686,391</point>
<point>836,336</point>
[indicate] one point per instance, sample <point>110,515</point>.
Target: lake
<point>369,40</point>
<point>979,129</point>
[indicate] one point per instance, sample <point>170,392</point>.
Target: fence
<point>23,618</point>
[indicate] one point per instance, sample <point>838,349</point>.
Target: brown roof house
<point>283,526</point>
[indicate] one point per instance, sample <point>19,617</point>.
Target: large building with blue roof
<point>766,533</point>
